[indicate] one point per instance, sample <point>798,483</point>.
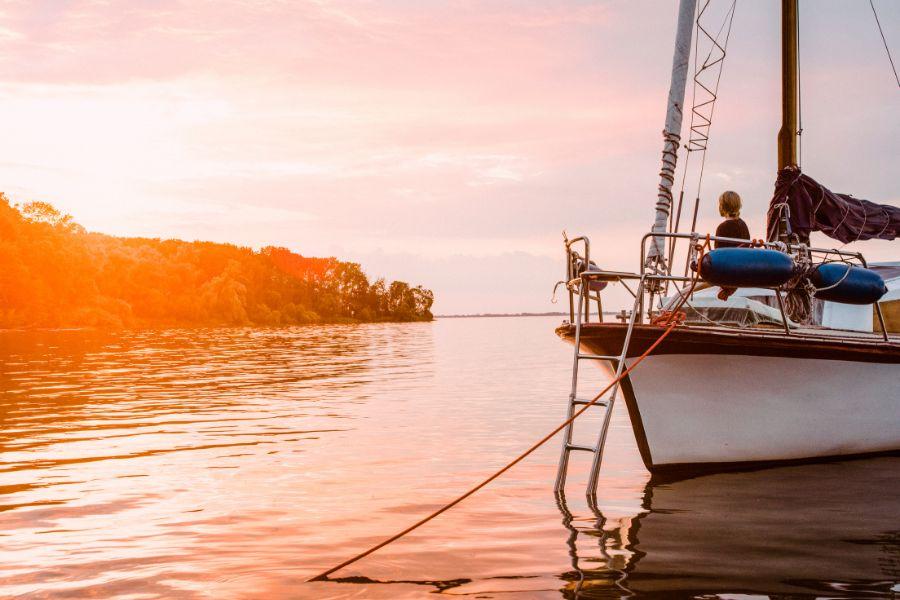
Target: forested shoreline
<point>54,273</point>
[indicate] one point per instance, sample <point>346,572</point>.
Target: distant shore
<point>523,314</point>
<point>55,274</point>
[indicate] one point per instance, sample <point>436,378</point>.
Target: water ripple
<point>236,463</point>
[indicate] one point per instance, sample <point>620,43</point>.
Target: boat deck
<point>819,343</point>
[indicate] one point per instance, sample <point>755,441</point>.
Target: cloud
<point>402,133</point>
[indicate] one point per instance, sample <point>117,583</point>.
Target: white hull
<point>720,408</point>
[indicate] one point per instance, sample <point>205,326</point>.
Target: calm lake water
<point>237,463</point>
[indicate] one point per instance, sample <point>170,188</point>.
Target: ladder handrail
<point>584,296</point>
<point>620,366</point>
<point>567,434</point>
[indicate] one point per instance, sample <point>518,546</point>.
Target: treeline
<point>53,273</point>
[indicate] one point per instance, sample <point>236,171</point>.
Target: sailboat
<point>800,363</point>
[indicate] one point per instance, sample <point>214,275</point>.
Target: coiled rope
<point>670,320</point>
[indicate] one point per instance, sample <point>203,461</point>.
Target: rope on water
<point>670,320</point>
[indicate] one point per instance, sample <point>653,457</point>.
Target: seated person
<point>733,226</point>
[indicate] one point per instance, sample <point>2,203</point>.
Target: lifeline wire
<point>672,322</point>
<point>703,136</point>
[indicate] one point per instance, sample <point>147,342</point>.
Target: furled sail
<point>672,132</point>
<point>812,207</point>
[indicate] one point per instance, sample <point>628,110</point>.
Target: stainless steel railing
<point>580,274</point>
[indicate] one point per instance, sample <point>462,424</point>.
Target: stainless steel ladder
<point>582,280</point>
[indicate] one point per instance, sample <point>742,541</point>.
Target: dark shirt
<point>733,228</point>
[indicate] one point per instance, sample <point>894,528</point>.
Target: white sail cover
<point>672,131</point>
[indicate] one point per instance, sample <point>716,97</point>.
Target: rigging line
<point>700,133</point>
<point>684,169</point>
<point>724,47</point>
<point>703,137</point>
<point>718,35</point>
<point>696,70</point>
<point>687,159</point>
<point>712,108</point>
<point>687,146</point>
<point>884,41</point>
<point>674,221</point>
<point>799,133</point>
<point>694,143</point>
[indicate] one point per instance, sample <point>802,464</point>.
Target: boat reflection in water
<point>824,530</point>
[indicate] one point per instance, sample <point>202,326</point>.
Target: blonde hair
<point>730,204</point>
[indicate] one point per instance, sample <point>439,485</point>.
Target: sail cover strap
<point>812,207</point>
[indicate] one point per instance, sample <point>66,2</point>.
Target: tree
<point>53,273</point>
<point>43,212</point>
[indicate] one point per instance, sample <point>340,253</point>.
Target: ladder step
<point>597,403</point>
<point>577,447</point>
<point>583,356</point>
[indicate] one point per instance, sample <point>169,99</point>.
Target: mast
<point>787,136</point>
<point>672,132</point>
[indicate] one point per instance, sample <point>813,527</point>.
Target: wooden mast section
<point>787,136</point>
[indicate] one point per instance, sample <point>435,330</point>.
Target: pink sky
<point>447,144</point>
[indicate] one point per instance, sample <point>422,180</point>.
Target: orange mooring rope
<point>673,320</point>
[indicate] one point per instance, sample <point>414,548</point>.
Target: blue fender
<point>746,267</point>
<point>856,286</point>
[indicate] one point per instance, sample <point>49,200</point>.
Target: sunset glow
<point>496,299</point>
<point>430,142</point>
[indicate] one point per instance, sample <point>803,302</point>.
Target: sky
<point>447,144</point>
